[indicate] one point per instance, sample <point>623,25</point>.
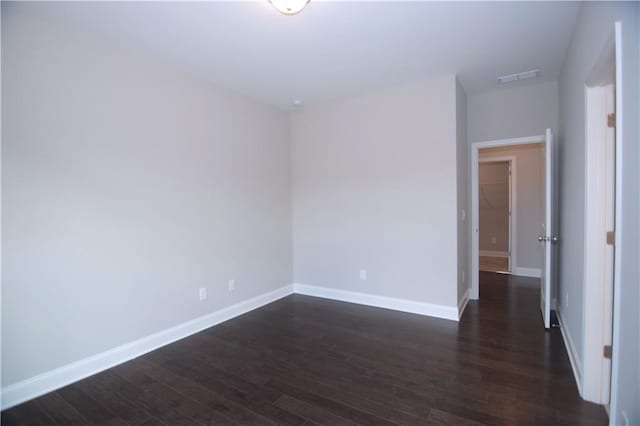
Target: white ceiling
<point>335,49</point>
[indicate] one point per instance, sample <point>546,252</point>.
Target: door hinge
<point>611,120</point>
<point>607,351</point>
<point>611,238</point>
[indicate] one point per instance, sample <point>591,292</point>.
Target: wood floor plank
<point>308,361</point>
<point>60,411</point>
<point>153,421</point>
<point>94,411</point>
<point>335,407</point>
<point>114,401</point>
<point>259,400</point>
<point>27,414</point>
<point>311,412</point>
<point>150,399</point>
<point>494,264</point>
<point>442,418</point>
<point>235,412</point>
<point>187,410</point>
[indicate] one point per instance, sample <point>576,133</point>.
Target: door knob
<point>543,238</point>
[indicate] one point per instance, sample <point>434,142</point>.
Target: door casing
<point>475,225</point>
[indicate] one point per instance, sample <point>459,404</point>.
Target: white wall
<point>594,29</point>
<point>528,189</point>
<point>126,186</point>
<point>512,111</point>
<point>374,187</point>
<point>462,154</point>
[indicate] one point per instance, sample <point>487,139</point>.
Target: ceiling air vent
<point>518,76</point>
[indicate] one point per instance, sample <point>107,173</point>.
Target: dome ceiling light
<point>289,7</point>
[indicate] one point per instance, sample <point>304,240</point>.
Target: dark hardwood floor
<point>304,360</point>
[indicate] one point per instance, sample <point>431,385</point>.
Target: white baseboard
<point>576,363</point>
<point>527,272</point>
<point>51,380</point>
<point>46,382</point>
<point>493,253</point>
<point>462,303</point>
<point>404,305</point>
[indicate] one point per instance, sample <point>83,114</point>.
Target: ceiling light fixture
<point>518,76</point>
<point>289,7</point>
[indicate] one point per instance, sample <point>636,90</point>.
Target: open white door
<point>546,239</point>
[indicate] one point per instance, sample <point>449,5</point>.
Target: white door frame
<point>599,256</point>
<point>513,220</point>
<point>475,246</point>
<point>615,372</point>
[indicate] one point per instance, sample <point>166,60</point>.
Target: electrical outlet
<point>363,275</point>
<point>232,285</point>
<point>493,240</point>
<point>203,293</point>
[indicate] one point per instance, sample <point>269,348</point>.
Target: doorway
<point>495,211</point>
<point>535,242</point>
